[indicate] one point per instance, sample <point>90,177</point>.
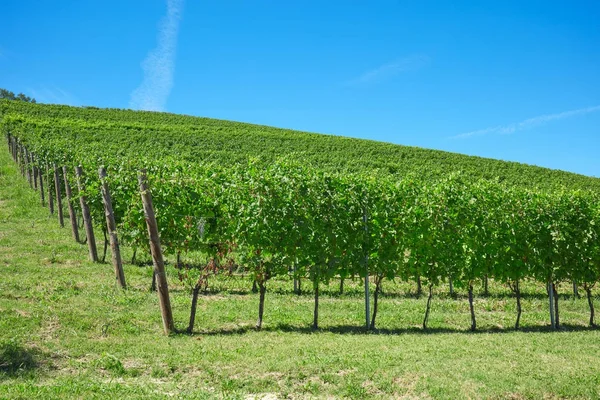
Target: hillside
<point>68,332</point>
<point>158,135</point>
<point>221,207</point>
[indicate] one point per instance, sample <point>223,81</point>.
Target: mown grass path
<point>67,331</point>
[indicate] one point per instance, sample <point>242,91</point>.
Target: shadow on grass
<point>358,330</point>
<point>212,291</point>
<point>284,287</point>
<point>16,360</point>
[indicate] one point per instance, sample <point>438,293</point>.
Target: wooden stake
<point>34,171</point>
<point>61,219</point>
<point>367,294</point>
<point>50,199</point>
<point>20,158</point>
<point>26,166</point>
<point>111,226</point>
<point>87,217</point>
<point>41,179</point>
<point>296,288</point>
<point>23,162</point>
<point>72,216</point>
<point>157,257</point>
<point>31,170</point>
<point>14,148</point>
<point>11,146</point>
<point>551,300</point>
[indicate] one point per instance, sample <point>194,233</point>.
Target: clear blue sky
<point>511,80</point>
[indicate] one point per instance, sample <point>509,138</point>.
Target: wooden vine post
<point>34,171</point>
<point>59,208</point>
<point>26,166</point>
<point>11,147</point>
<point>87,217</point>
<point>20,158</point>
<point>157,257</point>
<point>14,148</point>
<point>41,179</point>
<point>72,215</point>
<point>23,161</point>
<point>48,182</point>
<point>111,226</point>
<point>367,294</point>
<point>296,286</point>
<point>551,300</point>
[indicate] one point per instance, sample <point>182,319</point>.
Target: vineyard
<point>269,203</point>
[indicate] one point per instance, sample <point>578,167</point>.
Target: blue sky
<point>511,80</point>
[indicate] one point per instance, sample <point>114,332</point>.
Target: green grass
<point>67,331</point>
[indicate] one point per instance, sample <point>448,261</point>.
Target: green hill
<point>158,135</point>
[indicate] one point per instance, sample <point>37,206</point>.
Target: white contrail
<point>528,123</point>
<point>159,65</point>
<point>390,69</point>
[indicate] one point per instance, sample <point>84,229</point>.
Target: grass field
<point>66,331</point>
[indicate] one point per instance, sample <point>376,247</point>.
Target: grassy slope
<point>75,335</point>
